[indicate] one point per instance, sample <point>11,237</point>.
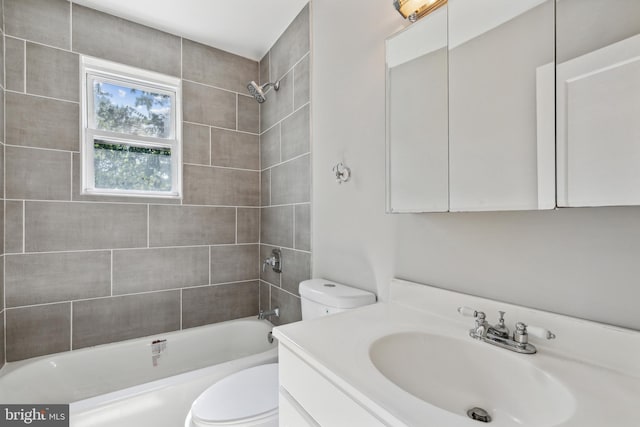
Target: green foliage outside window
<point>126,110</point>
<point>132,111</point>
<point>126,167</point>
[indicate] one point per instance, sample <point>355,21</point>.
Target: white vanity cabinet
<point>409,362</point>
<point>309,399</point>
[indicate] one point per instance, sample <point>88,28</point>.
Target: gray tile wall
<point>286,169</point>
<point>87,270</point>
<point>2,208</point>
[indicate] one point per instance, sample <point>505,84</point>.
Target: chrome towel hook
<point>343,173</point>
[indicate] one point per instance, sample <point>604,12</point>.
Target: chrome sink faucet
<point>498,334</point>
<point>500,329</point>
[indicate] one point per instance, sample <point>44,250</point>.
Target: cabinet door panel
<point>501,145</point>
<point>598,103</point>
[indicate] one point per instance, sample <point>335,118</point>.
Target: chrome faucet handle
<point>469,312</point>
<point>501,318</point>
<point>500,329</point>
<point>522,332</point>
<point>482,326</point>
<point>267,261</point>
<point>520,335</point>
<point>542,333</point>
<point>274,261</point>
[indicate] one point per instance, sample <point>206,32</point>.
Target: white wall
<point>581,262</point>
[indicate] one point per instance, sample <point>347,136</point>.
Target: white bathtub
<point>122,385</point>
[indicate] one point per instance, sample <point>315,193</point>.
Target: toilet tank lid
<point>335,294</point>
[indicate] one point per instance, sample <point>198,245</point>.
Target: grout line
<point>24,227</point>
<point>157,291</point>
<point>210,266</point>
<point>39,96</point>
<point>287,161</point>
<point>111,273</point>
<point>95,202</point>
<point>12,36</point>
<point>293,87</point>
<point>148,221</point>
<point>181,290</point>
<point>71,325</point>
<point>4,151</point>
<point>71,177</point>
<point>294,65</point>
<point>220,127</point>
<point>281,289</point>
<point>221,167</point>
<point>237,103</point>
<point>2,192</point>
<point>216,87</point>
<point>4,330</point>
<point>24,67</point>
<point>295,110</point>
<point>41,148</point>
<point>210,130</point>
<point>71,25</point>
<point>74,251</point>
<point>280,143</point>
<point>236,241</point>
<point>270,188</point>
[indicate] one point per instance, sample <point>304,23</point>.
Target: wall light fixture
<point>416,9</point>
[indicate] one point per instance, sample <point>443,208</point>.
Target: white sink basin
<point>457,375</point>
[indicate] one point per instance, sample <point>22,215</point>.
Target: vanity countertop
<point>598,365</point>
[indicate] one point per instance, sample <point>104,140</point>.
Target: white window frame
<point>94,69</point>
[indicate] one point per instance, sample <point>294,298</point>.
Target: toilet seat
<point>243,398</point>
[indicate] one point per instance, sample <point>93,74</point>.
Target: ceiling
<point>247,28</point>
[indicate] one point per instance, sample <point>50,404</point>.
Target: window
<point>131,131</point>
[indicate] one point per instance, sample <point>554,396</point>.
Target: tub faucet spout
<point>266,314</point>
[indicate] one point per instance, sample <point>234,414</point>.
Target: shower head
<point>258,91</point>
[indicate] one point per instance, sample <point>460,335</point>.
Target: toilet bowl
<point>249,398</point>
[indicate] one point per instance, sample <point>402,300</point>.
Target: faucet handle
<point>501,317</point>
<point>478,315</point>
<point>539,332</point>
<point>467,312</point>
<point>523,331</point>
<point>470,312</point>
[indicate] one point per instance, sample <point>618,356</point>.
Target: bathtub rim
<point>15,365</point>
<point>91,403</point>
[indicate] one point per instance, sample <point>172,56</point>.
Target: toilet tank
<point>321,297</point>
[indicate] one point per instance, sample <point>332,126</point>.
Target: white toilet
<point>249,398</point>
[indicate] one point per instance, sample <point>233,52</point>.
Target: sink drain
<point>479,414</point>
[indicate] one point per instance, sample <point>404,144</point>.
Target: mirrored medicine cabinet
<point>598,102</point>
<point>480,118</point>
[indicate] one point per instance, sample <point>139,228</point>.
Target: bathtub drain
<point>479,414</point>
